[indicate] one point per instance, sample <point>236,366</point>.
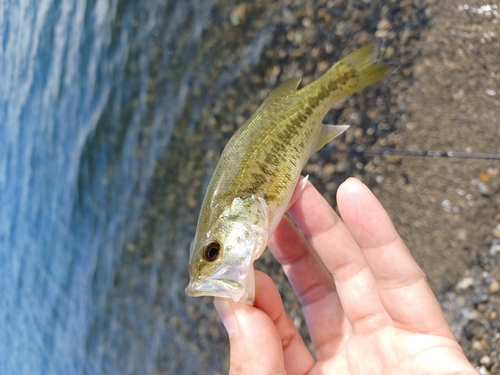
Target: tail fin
<point>363,63</point>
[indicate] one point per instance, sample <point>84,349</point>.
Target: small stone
<point>384,24</point>
<point>372,113</point>
<point>461,301</point>
<point>406,34</point>
<point>459,95</point>
<point>497,217</point>
<point>483,189</point>
<point>381,34</point>
<point>225,128</point>
<point>306,22</point>
<point>476,345</point>
<point>323,66</point>
<point>495,247</point>
<point>238,14</point>
<point>462,234</point>
<point>465,283</point>
<point>393,159</point>
<point>496,232</point>
<point>485,360</point>
<point>355,119</point>
<point>341,28</point>
<point>363,38</point>
<point>389,52</point>
<point>341,166</point>
<point>493,315</point>
<point>324,15</point>
<point>328,47</point>
<point>289,17</point>
<point>240,120</point>
<point>328,169</point>
<point>494,287</point>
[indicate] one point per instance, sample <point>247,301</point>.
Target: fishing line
<point>430,153</point>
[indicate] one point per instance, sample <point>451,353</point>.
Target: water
<point>102,169</point>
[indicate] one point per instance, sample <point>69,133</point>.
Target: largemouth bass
<point>257,177</point>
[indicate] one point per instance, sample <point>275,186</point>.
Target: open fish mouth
<point>227,283</point>
<point>216,288</point>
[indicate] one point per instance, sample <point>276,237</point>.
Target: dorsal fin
<point>286,88</point>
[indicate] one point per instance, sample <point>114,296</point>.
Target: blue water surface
<point>102,170</point>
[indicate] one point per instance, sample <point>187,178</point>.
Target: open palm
<point>368,306</point>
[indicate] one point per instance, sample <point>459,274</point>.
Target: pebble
<point>494,287</point>
<point>289,17</point>
<point>465,283</point>
<point>384,24</point>
<point>328,169</point>
<point>383,28</point>
<point>477,345</point>
<point>389,52</point>
<point>496,232</point>
<point>485,360</point>
<point>341,166</point>
<point>323,66</point>
<point>381,33</point>
<point>238,14</point>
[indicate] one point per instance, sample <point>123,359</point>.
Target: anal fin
<point>329,132</point>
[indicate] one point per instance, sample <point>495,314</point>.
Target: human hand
<point>367,304</point>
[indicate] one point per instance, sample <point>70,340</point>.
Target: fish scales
<point>255,179</point>
<point>274,153</point>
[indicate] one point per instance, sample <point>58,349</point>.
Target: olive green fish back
<point>266,155</point>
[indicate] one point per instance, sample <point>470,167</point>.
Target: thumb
<point>254,339</point>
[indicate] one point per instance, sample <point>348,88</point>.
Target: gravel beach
<point>444,96</point>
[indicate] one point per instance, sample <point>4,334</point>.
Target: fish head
<point>221,258</point>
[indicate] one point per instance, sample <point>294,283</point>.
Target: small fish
<point>257,178</point>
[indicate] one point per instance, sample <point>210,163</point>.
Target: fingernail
<point>226,314</point>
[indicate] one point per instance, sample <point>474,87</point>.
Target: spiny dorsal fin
<point>328,132</point>
<point>286,88</point>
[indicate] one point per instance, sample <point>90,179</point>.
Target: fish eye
<point>211,251</point>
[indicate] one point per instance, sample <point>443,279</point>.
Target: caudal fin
<point>364,66</point>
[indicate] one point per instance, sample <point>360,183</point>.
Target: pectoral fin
<point>328,132</point>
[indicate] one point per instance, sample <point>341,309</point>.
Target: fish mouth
<point>226,283</point>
